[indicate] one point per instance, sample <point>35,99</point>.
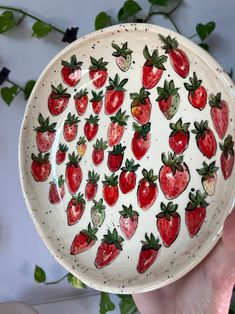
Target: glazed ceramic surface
<point>126,157</point>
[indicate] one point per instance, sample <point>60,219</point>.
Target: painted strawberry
<point>117,127</point>
<point>73,173</point>
<point>147,190</point>
<point>219,114</point>
<point>92,185</point>
<point>127,178</point>
<point>122,56</point>
<point>205,138</point>
<point>197,95</point>
<point>75,209</point>
<point>195,212</point>
<point>178,57</point>
<point>114,95</point>
<point>109,249</point>
<point>168,223</point>
<point>98,151</point>
<point>98,72</point>
<point>45,134</point>
<point>168,99</point>
<point>153,68</point>
<point>209,177</point>
<point>179,137</point>
<point>98,213</point>
<point>71,71</point>
<point>81,101</point>
<point>91,127</point>
<point>84,240</point>
<point>61,153</point>
<point>227,157</point>
<point>148,254</point>
<point>110,189</point>
<point>141,140</point>
<point>58,100</point>
<point>128,221</point>
<point>141,106</point>
<point>115,157</point>
<point>71,127</point>
<point>40,167</point>
<point>174,175</point>
<point>81,146</point>
<point>56,191</point>
<point>97,101</point>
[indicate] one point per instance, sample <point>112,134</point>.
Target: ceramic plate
<point>126,157</point>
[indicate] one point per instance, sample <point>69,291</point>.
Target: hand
<point>207,289</point>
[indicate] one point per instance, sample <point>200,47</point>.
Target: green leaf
<point>39,274</point>
<point>131,8</point>
<point>204,46</point>
<point>75,282</point>
<point>232,307</point>
<point>121,15</point>
<point>102,20</point>
<point>8,94</point>
<point>127,305</point>
<point>106,305</point>
<point>28,88</point>
<point>7,21</point>
<point>159,2</point>
<point>204,30</point>
<point>41,29</point>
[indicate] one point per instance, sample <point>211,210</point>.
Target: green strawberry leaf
<point>28,88</point>
<point>39,274</point>
<point>127,305</point>
<point>106,305</point>
<point>75,282</point>
<point>7,21</point>
<point>41,29</point>
<point>8,94</point>
<point>102,20</point>
<point>204,30</point>
<point>204,46</point>
<point>159,2</point>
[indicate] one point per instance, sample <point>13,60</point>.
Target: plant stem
<point>55,282</point>
<point>24,13</point>
<point>192,36</point>
<point>14,84</point>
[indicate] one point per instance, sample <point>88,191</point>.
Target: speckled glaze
<point>175,257</point>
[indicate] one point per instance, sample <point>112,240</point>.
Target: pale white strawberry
<point>128,221</point>
<point>123,56</point>
<point>209,177</point>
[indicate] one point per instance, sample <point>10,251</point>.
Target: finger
<point>228,236</point>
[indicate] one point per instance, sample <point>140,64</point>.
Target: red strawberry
<point>81,146</point>
<point>195,212</point>
<point>168,223</point>
<point>148,254</point>
<point>227,157</point>
<point>110,189</point>
<point>127,179</point>
<point>71,127</point>
<point>109,249</point>
<point>84,240</point>
<point>58,100</point>
<point>91,186</point>
<point>61,153</point>
<point>97,101</point>
<point>45,134</point>
<point>73,173</point>
<point>147,190</point>
<point>206,141</point>
<point>174,176</point>
<point>178,57</point>
<point>141,140</point>
<point>75,209</point>
<point>71,71</point>
<point>153,68</point>
<point>98,213</point>
<point>197,95</point>
<point>219,114</point>
<point>56,191</point>
<point>168,99</point>
<point>98,72</point>
<point>116,127</point>
<point>91,127</point>
<point>41,167</point>
<point>209,177</point>
<point>128,221</point>
<point>81,101</point>
<point>98,151</point>
<point>115,157</point>
<point>114,95</point>
<point>141,106</point>
<point>122,56</point>
<point>179,137</point>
